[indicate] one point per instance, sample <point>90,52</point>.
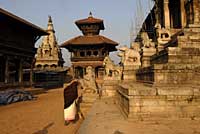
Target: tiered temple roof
<point>90,28</point>
<point>89,40</point>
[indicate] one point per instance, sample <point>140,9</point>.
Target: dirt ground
<point>41,116</point>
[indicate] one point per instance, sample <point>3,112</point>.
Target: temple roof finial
<point>90,14</point>
<point>50,18</point>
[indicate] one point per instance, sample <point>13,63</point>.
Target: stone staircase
<point>87,101</point>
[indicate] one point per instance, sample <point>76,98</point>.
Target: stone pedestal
<point>129,73</point>
<point>147,53</point>
<point>109,87</point>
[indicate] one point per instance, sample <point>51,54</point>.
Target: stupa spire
<point>50,20</point>
<point>50,25</point>
<point>90,14</point>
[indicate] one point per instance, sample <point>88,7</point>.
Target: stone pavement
<point>105,118</point>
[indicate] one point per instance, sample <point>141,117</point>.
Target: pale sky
<point>118,16</point>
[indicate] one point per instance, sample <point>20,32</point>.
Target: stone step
<point>86,104</point>
<point>90,94</point>
<point>88,99</point>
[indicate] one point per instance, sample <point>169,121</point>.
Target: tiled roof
<point>90,20</point>
<point>22,21</point>
<point>89,40</point>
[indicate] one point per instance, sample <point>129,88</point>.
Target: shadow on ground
<point>45,129</point>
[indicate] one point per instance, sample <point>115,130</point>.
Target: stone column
<point>157,13</point>
<point>6,70</point>
<point>166,14</point>
<point>196,11</point>
<point>183,13</point>
<point>20,71</point>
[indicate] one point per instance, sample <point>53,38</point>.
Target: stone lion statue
<point>129,56</point>
<point>163,35</point>
<point>110,68</point>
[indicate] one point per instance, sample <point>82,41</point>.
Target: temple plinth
<point>167,84</point>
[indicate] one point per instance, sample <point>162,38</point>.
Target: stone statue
<point>111,70</point>
<point>88,82</point>
<point>39,52</point>
<point>163,35</point>
<point>55,51</point>
<point>129,56</point>
<point>136,46</point>
<point>146,41</point>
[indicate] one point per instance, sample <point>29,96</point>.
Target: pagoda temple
<point>89,49</point>
<point>49,54</point>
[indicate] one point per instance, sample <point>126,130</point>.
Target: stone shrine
<point>49,55</point>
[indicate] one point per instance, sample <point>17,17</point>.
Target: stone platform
<point>143,102</point>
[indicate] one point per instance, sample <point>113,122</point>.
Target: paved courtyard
<point>105,118</point>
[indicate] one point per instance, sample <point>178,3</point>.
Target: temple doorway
<point>79,72</point>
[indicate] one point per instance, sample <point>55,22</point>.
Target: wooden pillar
<point>183,13</point>
<point>166,14</point>
<point>20,71</point>
<point>6,70</point>
<point>31,77</point>
<point>84,71</point>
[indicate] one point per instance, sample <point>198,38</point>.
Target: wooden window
<point>95,53</point>
<point>82,54</point>
<point>89,53</point>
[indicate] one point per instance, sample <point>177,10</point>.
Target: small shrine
<point>49,55</point>
<point>89,49</point>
